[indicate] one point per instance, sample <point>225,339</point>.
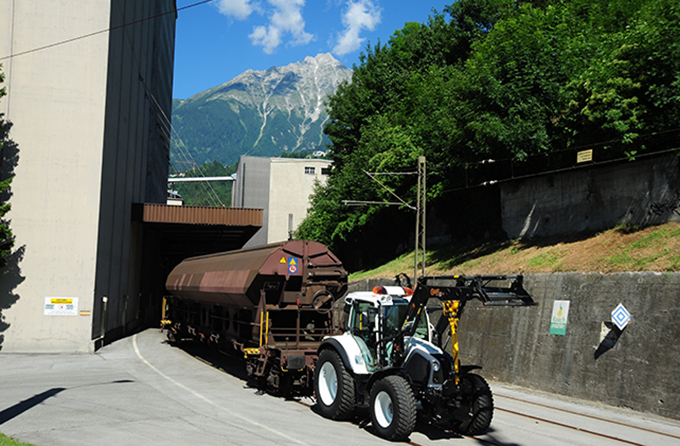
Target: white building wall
<point>56,101</point>
<point>86,139</point>
<point>280,187</point>
<point>291,185</point>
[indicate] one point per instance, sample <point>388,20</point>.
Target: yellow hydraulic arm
<point>450,309</point>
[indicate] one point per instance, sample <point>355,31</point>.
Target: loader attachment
<point>454,292</point>
<point>484,288</point>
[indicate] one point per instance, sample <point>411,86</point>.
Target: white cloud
<point>239,9</point>
<point>289,18</point>
<point>360,15</point>
<point>285,17</point>
<point>268,37</point>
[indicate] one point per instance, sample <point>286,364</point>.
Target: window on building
<point>310,170</point>
<point>325,171</point>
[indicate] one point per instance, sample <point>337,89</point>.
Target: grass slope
<point>624,248</point>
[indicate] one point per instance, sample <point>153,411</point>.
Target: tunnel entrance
<point>168,235</point>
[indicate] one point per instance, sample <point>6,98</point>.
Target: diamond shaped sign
<point>620,316</point>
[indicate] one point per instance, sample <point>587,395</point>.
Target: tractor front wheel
<point>393,408</point>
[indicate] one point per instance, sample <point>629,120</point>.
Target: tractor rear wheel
<point>334,387</point>
<point>476,406</point>
<point>393,408</point>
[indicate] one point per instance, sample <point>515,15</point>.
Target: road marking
<point>203,398</point>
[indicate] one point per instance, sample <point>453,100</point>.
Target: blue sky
<point>217,41</point>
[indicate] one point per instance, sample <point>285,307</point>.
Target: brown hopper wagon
<point>272,303</point>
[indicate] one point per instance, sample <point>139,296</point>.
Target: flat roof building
<point>279,186</point>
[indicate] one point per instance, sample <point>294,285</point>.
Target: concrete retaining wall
<point>593,199</point>
<point>637,368</point>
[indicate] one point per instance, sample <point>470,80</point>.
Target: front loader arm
<point>454,298</point>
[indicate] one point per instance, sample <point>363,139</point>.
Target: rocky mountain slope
<point>261,113</point>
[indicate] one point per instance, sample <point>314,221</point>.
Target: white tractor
<point>390,357</point>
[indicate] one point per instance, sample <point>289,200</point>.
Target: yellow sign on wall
<point>584,156</point>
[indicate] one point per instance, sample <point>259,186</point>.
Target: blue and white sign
<point>293,265</point>
<point>620,316</point>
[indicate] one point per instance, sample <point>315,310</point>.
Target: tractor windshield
<point>394,316</point>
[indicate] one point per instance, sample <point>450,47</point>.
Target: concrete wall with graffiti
<point>593,199</point>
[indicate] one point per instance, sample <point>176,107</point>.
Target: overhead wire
<point>85,36</point>
<point>182,152</point>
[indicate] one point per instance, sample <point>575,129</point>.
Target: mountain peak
<point>320,61</point>
<point>262,112</point>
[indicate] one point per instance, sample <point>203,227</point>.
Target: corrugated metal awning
<point>198,215</point>
<point>184,231</point>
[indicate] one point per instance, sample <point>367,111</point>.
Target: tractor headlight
<point>437,372</point>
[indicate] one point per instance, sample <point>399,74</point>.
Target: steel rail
<point>665,434</point>
<point>576,428</point>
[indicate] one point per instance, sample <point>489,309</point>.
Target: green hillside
<point>216,130</point>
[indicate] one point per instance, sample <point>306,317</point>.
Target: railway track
<point>553,416</point>
<point>611,422</point>
<point>582,420</point>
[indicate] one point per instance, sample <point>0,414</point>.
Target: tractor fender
<point>348,349</point>
<point>465,369</point>
<point>380,374</point>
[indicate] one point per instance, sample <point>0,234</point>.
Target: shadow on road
<point>26,405</point>
<point>218,359</point>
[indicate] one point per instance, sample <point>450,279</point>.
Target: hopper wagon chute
<point>272,303</point>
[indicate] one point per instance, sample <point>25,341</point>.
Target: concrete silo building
<point>89,96</point>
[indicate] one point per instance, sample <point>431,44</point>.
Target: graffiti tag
<point>668,206</point>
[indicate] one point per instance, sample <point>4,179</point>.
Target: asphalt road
<point>142,391</point>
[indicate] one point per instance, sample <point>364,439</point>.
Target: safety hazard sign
<point>293,265</point>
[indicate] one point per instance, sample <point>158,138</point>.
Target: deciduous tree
<point>6,236</point>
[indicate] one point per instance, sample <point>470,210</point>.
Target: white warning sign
<point>61,306</point>
<point>560,314</point>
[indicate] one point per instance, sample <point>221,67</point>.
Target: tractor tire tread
<point>406,413</point>
<point>481,408</point>
<point>346,391</point>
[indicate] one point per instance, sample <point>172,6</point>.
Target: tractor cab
<point>374,318</point>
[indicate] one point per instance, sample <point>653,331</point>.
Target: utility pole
<point>420,220</point>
